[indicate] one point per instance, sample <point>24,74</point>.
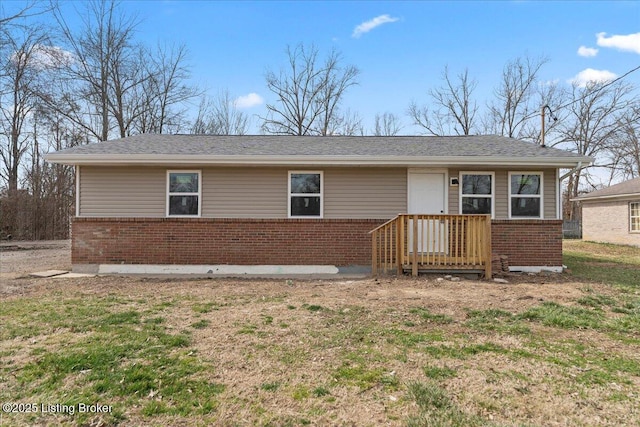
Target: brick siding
<point>340,242</point>
<point>608,221</point>
<point>529,242</point>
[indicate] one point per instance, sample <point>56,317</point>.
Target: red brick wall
<point>530,242</point>
<point>339,242</point>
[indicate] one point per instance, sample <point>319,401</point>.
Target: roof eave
<point>607,197</point>
<point>255,160</point>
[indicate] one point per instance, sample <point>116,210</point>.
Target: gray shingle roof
<point>210,148</point>
<point>626,188</point>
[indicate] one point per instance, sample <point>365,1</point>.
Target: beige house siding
<point>550,190</point>
<point>365,192</point>
<point>501,198</point>
<point>608,221</point>
<point>241,192</point>
<point>244,193</point>
<point>122,191</point>
<point>261,192</point>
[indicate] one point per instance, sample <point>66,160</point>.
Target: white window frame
<point>631,230</point>
<point>492,196</point>
<point>290,195</point>
<point>517,196</point>
<point>199,193</point>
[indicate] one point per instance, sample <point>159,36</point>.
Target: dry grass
<point>344,352</point>
<point>544,350</point>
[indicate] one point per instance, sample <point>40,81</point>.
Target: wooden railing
<point>418,242</point>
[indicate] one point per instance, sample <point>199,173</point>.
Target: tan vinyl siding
<point>550,194</point>
<point>244,192</point>
<point>364,192</point>
<point>502,191</point>
<point>262,192</point>
<point>122,191</point>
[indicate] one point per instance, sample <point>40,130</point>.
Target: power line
<point>601,87</point>
<point>538,113</point>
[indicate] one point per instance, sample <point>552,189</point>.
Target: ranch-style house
<point>294,205</point>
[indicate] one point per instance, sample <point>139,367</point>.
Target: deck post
<point>488,256</point>
<point>414,259</point>
<point>399,238</point>
<point>374,257</point>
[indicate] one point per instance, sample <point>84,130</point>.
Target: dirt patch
<point>21,258</point>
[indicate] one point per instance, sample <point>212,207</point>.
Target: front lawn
<point>603,262</point>
<point>541,350</point>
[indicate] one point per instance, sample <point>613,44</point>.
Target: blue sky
<point>232,44</point>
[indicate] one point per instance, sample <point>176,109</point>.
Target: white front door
<point>427,196</point>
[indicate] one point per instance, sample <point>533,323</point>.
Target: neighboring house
<point>612,215</point>
<point>276,204</point>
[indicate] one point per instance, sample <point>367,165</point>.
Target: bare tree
<point>596,117</point>
<point>386,124</point>
<point>625,147</point>
<point>104,57</point>
<point>164,91</point>
<point>453,107</point>
<point>335,80</point>
<point>27,68</point>
<point>514,101</point>
<point>219,116</point>
<point>22,78</point>
<point>308,93</point>
<point>348,123</point>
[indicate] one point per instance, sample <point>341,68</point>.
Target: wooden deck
<point>419,243</point>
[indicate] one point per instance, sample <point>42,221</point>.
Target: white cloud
<point>367,26</point>
<point>248,101</point>
<point>629,42</point>
<point>590,75</point>
<point>42,57</point>
<point>587,51</point>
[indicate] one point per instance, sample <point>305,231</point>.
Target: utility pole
<point>542,116</point>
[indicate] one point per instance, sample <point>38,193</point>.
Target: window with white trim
<point>476,192</point>
<point>183,193</point>
<point>305,194</point>
<point>525,195</point>
<point>634,217</point>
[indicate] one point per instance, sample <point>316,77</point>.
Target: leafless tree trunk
<point>219,116</point>
<point>386,124</point>
<point>308,93</point>
<point>453,107</point>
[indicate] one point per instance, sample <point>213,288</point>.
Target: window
<point>305,194</point>
<point>525,194</point>
<point>183,193</point>
<point>634,217</point>
<point>476,192</point>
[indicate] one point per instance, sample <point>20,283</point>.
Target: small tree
<point>386,124</point>
<point>219,116</point>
